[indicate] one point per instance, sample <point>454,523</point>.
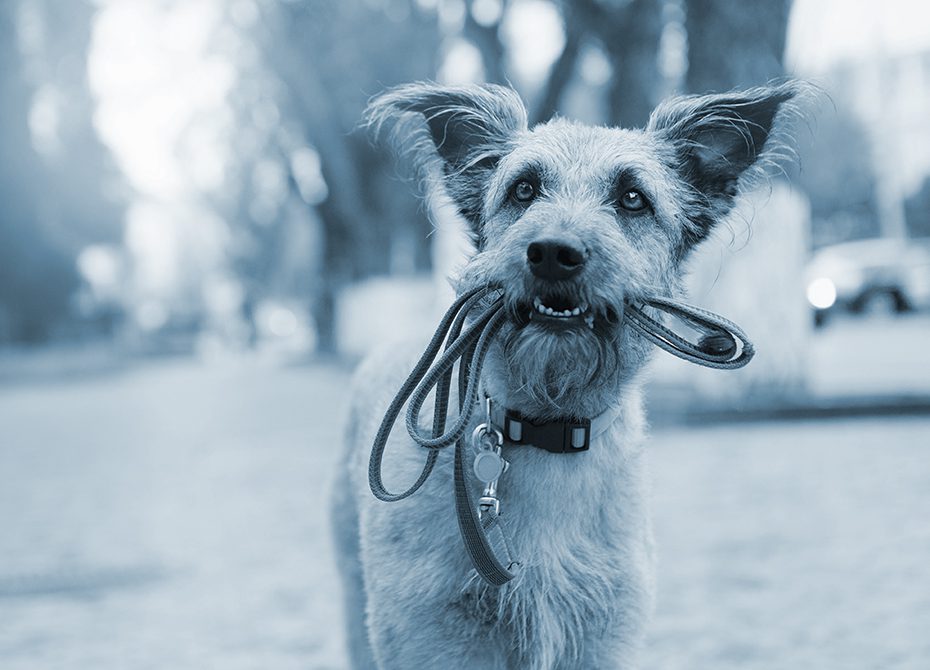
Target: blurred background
<point>197,243</point>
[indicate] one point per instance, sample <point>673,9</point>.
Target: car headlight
<point>821,293</point>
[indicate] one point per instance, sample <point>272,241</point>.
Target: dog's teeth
<point>590,321</point>
<point>566,313</point>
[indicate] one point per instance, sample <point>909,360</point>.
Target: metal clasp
<point>488,465</point>
<point>486,503</point>
<point>486,437</point>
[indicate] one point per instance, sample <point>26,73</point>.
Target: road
<point>172,516</point>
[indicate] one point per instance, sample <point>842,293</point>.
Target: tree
<point>630,32</point>
<point>734,43</point>
<point>330,57</point>
<point>36,276</point>
<point>81,207</point>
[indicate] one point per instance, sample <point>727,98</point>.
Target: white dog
<point>571,223</point>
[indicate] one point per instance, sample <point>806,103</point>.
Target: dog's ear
<point>718,139</point>
<point>462,130</point>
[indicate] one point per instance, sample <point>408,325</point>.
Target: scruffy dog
<point>570,220</point>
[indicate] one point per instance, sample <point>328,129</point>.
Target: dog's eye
<point>633,201</point>
<point>523,191</point>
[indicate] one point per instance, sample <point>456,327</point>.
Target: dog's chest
<point>580,534</point>
<point>550,612</point>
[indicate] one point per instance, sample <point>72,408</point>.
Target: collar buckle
<point>565,436</point>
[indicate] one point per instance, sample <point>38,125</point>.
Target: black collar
<point>561,436</point>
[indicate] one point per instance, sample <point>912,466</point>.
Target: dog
<point>570,221</point>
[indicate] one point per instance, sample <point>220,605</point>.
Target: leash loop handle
<point>717,348</point>
<point>484,327</point>
<point>482,531</point>
<point>450,324</point>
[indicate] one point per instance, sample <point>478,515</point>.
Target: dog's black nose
<point>554,259</point>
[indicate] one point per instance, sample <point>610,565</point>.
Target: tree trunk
<point>734,43</point>
<point>487,40</point>
<point>36,278</point>
<point>630,34</point>
<point>756,280</point>
<point>633,49</point>
<point>560,75</point>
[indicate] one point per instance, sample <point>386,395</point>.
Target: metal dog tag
<point>488,466</point>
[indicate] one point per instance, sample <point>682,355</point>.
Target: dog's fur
<point>578,523</point>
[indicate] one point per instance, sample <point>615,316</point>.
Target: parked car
<point>866,275</point>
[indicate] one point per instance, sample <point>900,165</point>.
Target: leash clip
<point>488,502</point>
<point>486,437</point>
<point>488,465</point>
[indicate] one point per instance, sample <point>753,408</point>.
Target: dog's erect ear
<point>463,130</point>
<point>718,138</point>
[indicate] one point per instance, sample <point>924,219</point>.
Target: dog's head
<point>571,220</point>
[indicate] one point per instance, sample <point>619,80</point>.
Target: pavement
<point>171,514</point>
<point>796,544</point>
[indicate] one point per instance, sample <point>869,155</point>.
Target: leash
<point>717,347</point>
<point>722,345</point>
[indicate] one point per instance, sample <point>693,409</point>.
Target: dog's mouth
<point>556,307</point>
<point>562,312</point>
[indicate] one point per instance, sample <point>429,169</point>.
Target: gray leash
<point>422,379</point>
<point>481,525</point>
<point>716,349</point>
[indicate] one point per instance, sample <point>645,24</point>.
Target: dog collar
<point>561,436</point>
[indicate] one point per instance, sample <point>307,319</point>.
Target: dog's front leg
<point>411,633</point>
<point>611,651</point>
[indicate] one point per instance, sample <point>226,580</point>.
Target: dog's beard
<point>561,371</point>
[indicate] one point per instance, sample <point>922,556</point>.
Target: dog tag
<point>488,466</point>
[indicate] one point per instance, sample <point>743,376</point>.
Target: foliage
<point>308,203</point>
<point>319,62</point>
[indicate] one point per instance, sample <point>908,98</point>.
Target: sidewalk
<point>174,515</point>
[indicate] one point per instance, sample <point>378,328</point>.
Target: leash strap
<point>483,532</point>
<point>716,349</point>
<point>478,530</point>
<point>451,321</point>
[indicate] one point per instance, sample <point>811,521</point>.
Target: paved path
<point>172,517</point>
<point>796,546</point>
<point>169,517</point>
